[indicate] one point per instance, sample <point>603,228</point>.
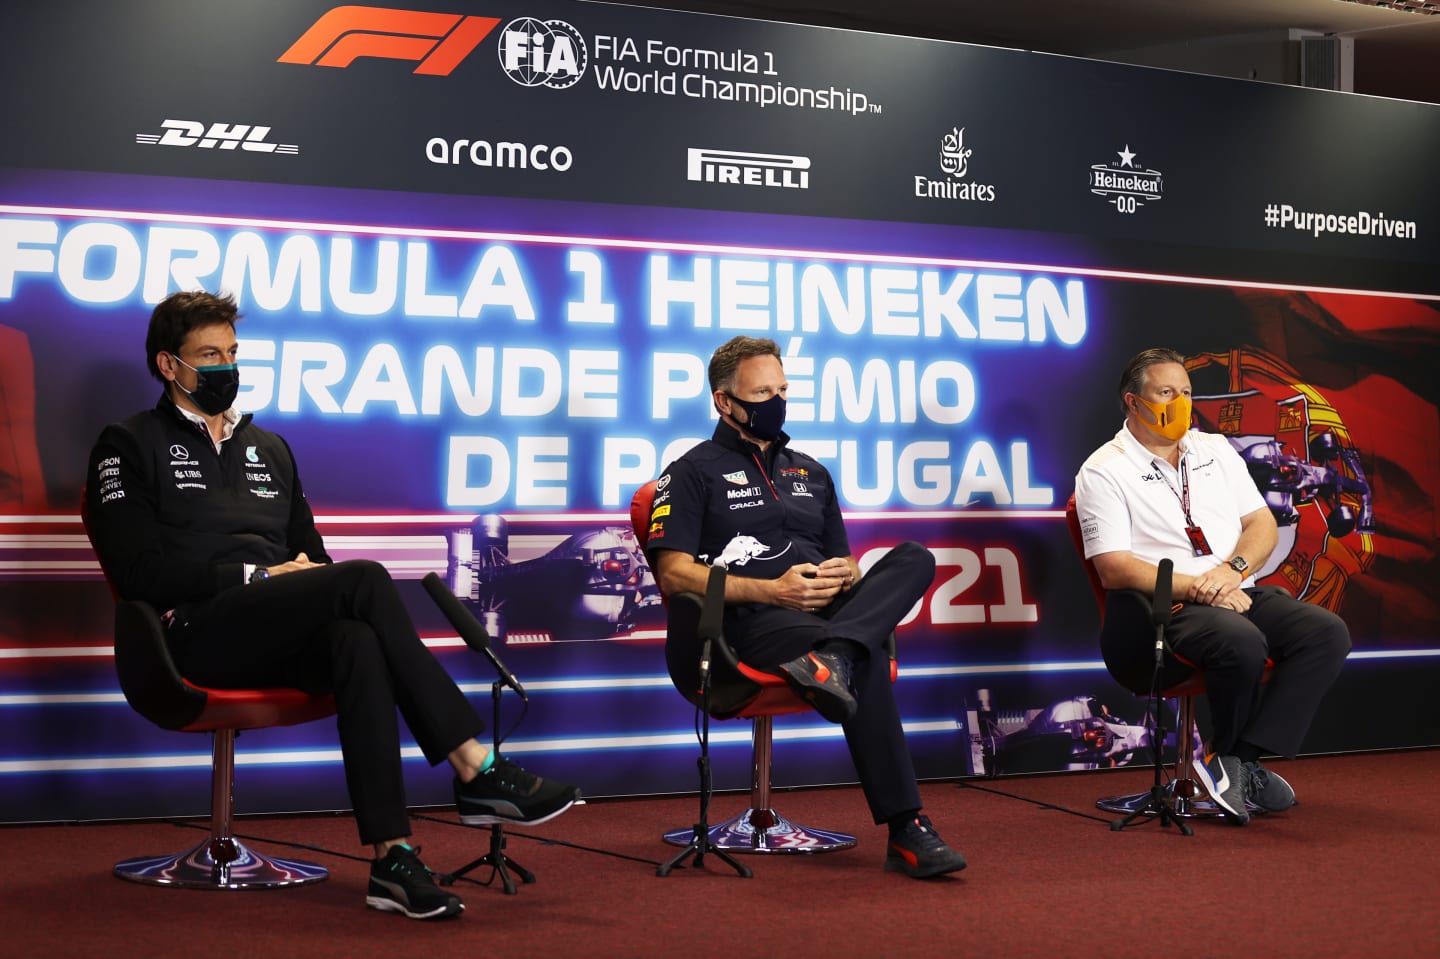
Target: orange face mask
<point>1173,417</point>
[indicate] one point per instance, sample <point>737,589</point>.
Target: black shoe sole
<point>917,872</point>
<point>490,819</point>
<point>386,904</point>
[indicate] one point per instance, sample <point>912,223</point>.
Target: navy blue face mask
<point>766,417</point>
<point>215,386</point>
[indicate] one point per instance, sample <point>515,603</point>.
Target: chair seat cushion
<point>257,708</point>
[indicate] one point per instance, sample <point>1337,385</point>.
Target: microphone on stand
<point>470,629</point>
<point>1160,610</point>
<point>711,616</point>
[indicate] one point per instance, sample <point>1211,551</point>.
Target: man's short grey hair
<point>1133,379</point>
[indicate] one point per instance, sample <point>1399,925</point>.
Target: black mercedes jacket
<point>175,522</point>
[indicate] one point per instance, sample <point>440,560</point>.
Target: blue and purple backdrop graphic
<point>477,362</point>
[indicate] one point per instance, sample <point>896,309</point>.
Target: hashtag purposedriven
<point>1284,216</point>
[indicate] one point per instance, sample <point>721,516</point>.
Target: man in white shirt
<point>1160,490</point>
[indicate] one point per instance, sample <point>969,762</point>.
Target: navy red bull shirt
<point>758,512</point>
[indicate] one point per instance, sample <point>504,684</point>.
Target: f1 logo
<point>344,34</point>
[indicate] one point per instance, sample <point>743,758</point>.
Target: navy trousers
<point>766,636</point>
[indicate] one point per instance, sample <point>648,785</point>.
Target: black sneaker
<point>507,794</point>
<point>823,681</point>
<point>1266,789</point>
<point>1225,780</point>
<point>401,883</point>
<point>917,850</point>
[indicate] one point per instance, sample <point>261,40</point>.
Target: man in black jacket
<point>200,513</point>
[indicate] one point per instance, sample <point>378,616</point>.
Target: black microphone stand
<point>1161,801</point>
<point>700,844</point>
<point>496,857</point>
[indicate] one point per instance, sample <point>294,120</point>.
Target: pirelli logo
<point>437,41</point>
<point>748,169</point>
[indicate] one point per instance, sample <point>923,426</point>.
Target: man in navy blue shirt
<point>796,602</point>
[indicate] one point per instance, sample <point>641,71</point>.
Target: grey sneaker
<point>401,883</point>
<point>505,793</point>
<point>1226,782</point>
<point>1267,790</point>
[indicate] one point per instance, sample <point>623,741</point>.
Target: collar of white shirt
<point>232,416</point>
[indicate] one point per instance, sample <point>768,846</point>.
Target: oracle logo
<point>438,41</point>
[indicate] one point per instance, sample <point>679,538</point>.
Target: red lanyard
<point>1184,494</point>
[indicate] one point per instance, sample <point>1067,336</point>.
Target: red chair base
<point>766,831</point>
<point>220,863</point>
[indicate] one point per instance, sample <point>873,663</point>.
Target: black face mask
<point>215,386</point>
<point>766,417</point>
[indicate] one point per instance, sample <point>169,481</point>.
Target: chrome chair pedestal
<point>766,831</point>
<point>760,829</point>
<point>221,861</point>
<point>1182,808</point>
<point>220,864</point>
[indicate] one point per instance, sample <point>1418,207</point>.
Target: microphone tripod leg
<point>700,843</point>
<point>1161,802</point>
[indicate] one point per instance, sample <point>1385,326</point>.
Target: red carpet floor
<point>1352,871</point>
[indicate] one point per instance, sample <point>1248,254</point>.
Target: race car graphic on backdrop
<point>593,584</point>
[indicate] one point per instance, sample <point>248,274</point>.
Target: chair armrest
<point>148,677</point>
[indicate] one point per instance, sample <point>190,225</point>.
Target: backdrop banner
<point>483,256</point>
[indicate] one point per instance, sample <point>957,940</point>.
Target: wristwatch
<point>1238,564</point>
<point>260,574</point>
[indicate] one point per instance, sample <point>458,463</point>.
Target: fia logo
<point>548,53</point>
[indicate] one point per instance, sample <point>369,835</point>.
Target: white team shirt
<point>1128,499</point>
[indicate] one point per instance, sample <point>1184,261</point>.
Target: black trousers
<point>766,636</point>
<point>1307,642</point>
<point>343,629</point>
